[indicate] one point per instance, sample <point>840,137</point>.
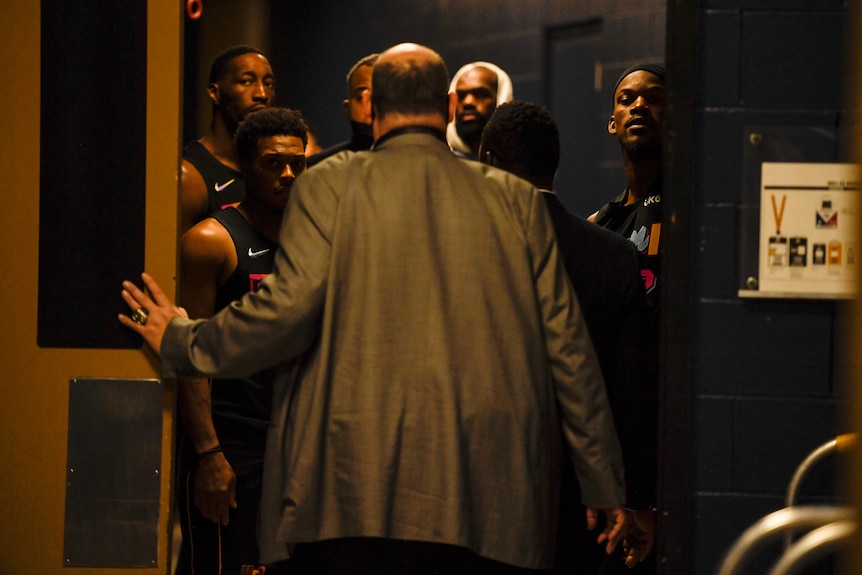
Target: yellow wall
<point>33,423</point>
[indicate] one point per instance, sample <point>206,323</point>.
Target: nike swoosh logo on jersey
<point>254,254</point>
<point>219,188</point>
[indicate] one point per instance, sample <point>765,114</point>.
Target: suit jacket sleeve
<point>586,418</point>
<point>281,319</point>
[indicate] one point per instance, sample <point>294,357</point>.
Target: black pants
<point>370,556</point>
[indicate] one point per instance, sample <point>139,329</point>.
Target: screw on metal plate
<point>755,138</point>
<point>751,282</point>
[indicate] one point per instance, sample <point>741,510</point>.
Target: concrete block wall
<point>765,374</point>
<point>317,44</point>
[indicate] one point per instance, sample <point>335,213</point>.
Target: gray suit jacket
<point>443,349</point>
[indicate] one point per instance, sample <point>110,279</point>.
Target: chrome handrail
<point>840,444</point>
<point>814,545</point>
<point>776,523</point>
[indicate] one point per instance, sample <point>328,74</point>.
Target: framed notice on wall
<point>809,230</point>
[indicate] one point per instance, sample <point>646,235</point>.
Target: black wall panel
<point>93,169</point>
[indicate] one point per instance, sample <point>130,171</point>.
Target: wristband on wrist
<point>216,449</point>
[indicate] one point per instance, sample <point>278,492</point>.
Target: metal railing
<point>815,545</point>
<point>829,527</point>
<point>840,444</point>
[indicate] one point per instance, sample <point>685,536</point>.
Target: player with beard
<point>358,88</point>
<point>240,81</point>
<point>637,121</point>
<point>480,87</point>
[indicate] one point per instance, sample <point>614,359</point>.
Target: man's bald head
<point>410,79</point>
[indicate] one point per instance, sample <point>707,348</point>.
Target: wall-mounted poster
<point>809,229</point>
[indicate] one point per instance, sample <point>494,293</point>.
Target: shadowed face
<point>277,163</point>
<point>477,98</point>
<point>360,83</point>
<point>638,115</point>
<point>248,84</point>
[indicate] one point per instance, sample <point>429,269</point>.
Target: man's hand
<point>640,536</point>
<point>615,526</point>
<point>215,488</point>
<point>152,316</point>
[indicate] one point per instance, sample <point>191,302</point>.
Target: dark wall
<point>764,374</point>
<point>320,42</point>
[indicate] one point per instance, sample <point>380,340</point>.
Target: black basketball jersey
<point>255,256</point>
<point>641,224</point>
<point>225,186</point>
<point>241,408</point>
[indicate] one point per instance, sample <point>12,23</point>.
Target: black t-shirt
<point>640,223</point>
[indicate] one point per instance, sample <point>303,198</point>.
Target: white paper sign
<point>809,229</point>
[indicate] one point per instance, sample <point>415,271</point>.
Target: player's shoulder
<point>206,232</point>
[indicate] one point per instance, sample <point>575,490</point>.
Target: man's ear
<point>453,105</point>
<point>612,126</point>
<point>346,104</point>
<point>213,93</point>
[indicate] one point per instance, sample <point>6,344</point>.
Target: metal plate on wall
<point>113,473</point>
<point>772,144</point>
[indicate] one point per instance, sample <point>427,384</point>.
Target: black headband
<point>651,68</point>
